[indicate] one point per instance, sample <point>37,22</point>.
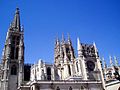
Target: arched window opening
<point>57,88</point>
<point>37,88</point>
<point>12,52</point>
<point>82,88</point>
<point>13,40</point>
<point>48,73</point>
<point>17,40</point>
<point>13,70</point>
<point>16,55</point>
<point>67,50</point>
<point>69,70</point>
<point>70,88</point>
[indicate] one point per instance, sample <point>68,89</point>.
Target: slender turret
<point>79,47</point>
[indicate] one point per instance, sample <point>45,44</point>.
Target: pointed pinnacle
<point>111,62</point>
<point>16,22</point>
<point>17,10</point>
<point>22,28</point>
<point>69,40</point>
<point>63,40</point>
<point>79,47</point>
<point>105,65</point>
<point>116,61</point>
<point>95,46</point>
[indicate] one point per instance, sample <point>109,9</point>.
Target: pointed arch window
<point>82,88</point>
<point>17,51</point>
<point>12,52</point>
<point>14,70</point>
<point>69,70</point>
<point>48,73</point>
<point>70,88</point>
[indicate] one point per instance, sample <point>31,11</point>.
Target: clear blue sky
<point>43,20</point>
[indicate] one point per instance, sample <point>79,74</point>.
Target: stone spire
<point>57,41</point>
<point>96,50</point>
<point>13,55</point>
<point>79,47</point>
<point>111,62</point>
<point>116,61</point>
<point>16,22</point>
<point>63,39</point>
<point>105,65</point>
<point>69,40</point>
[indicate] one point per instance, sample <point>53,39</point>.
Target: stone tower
<point>64,58</point>
<point>91,65</point>
<point>13,56</point>
<point>85,66</point>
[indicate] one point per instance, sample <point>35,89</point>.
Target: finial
<point>95,46</point>
<point>111,62</point>
<point>116,61</point>
<point>10,26</point>
<point>57,41</point>
<point>68,36</point>
<point>79,47</point>
<point>69,40</point>
<point>22,28</point>
<point>63,40</point>
<point>105,65</point>
<point>17,10</point>
<point>96,50</point>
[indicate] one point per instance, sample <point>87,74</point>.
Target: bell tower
<point>13,55</point>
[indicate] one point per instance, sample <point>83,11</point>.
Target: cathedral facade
<point>68,72</point>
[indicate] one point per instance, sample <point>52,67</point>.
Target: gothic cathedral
<point>13,56</point>
<point>68,72</point>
